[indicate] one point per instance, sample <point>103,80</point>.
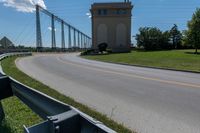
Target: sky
<point>17,17</point>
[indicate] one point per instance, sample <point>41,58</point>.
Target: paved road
<point>146,100</point>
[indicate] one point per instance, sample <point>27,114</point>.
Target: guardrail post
<point>5,91</point>
<point>2,115</point>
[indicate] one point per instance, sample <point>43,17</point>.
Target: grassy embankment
<point>174,59</point>
<point>18,114</point>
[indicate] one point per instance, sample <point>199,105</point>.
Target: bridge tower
<point>38,29</point>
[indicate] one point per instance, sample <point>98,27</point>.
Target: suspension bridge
<point>76,39</point>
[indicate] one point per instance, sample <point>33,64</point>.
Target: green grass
<point>18,114</point>
<point>174,59</point>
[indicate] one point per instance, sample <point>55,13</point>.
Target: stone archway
<point>102,34</point>
<point>121,35</point>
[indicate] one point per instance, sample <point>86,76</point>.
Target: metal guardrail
<point>2,56</point>
<point>58,116</point>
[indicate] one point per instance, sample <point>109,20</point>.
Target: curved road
<point>144,99</point>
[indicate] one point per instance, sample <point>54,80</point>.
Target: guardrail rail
<point>58,117</point>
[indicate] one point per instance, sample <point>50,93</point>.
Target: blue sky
<point>19,25</point>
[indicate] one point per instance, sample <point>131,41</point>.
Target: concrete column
<point>63,35</point>
<point>69,36</point>
<point>38,29</point>
<point>53,36</point>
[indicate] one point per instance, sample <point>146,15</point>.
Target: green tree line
<point>152,38</point>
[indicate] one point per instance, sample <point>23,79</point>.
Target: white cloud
<point>23,5</point>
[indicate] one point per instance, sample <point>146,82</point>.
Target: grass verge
<point>173,59</point>
<point>18,114</point>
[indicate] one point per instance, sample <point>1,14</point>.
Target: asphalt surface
<point>143,99</point>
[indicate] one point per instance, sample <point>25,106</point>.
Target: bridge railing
<point>58,116</point>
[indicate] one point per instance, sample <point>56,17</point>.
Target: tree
<point>193,33</point>
<point>148,38</point>
<point>176,36</point>
<point>165,41</point>
<point>153,39</point>
<point>185,43</point>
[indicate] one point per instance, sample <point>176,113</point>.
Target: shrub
<point>87,52</point>
<point>102,47</point>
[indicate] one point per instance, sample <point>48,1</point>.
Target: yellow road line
<point>133,75</point>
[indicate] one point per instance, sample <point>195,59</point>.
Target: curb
<point>160,68</point>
